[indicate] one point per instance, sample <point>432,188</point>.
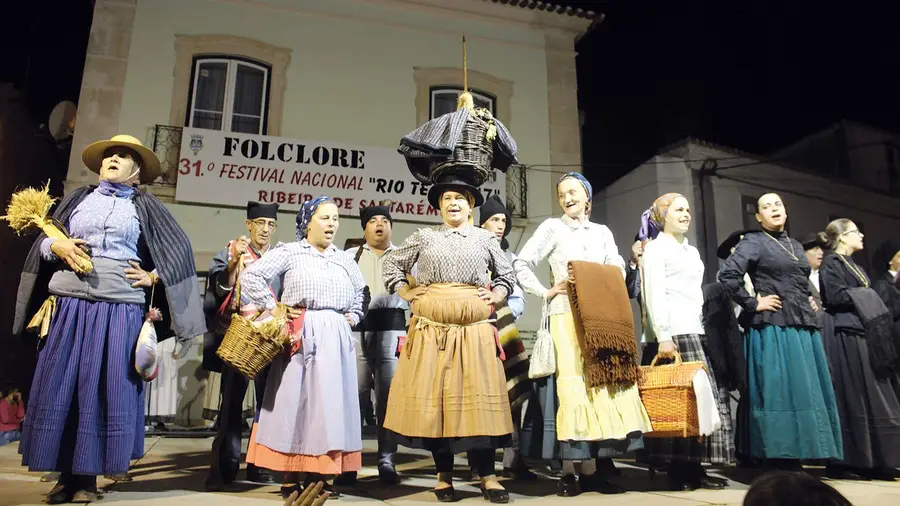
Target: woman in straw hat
<point>86,414</point>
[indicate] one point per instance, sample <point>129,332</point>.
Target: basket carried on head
<point>474,149</point>
<point>249,347</point>
<point>667,392</point>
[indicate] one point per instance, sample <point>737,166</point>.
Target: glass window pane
<point>484,103</point>
<point>249,90</point>
<point>211,80</point>
<point>245,124</point>
<point>443,102</point>
<point>208,120</point>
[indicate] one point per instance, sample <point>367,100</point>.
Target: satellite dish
<point>62,120</point>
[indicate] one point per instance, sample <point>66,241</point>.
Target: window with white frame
<point>229,94</point>
<point>444,99</point>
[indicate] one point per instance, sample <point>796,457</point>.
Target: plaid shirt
<point>315,280</point>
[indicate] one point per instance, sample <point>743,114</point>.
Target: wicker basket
<point>472,150</point>
<point>667,392</point>
<point>249,347</point>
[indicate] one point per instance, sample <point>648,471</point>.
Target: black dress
<point>869,408</point>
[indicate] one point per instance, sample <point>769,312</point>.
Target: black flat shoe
<point>520,473</point>
<point>388,474</point>
<point>347,479</point>
<point>329,488</point>
<point>287,491</point>
<point>85,497</point>
<point>597,483</point>
<point>259,475</point>
<point>62,496</point>
<point>446,494</point>
<point>608,468</point>
<point>494,495</point>
<point>709,483</point>
<point>879,474</point>
<point>567,486</point>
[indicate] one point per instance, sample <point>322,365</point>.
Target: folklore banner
<point>228,168</point>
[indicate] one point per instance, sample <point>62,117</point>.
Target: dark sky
<point>755,75</point>
<point>42,51</point>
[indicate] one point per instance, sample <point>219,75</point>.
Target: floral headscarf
<point>654,219</point>
<point>306,212</point>
<point>581,179</point>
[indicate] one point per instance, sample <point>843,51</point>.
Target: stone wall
<point>103,84</point>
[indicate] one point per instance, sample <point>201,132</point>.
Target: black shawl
<point>163,246</point>
<point>724,342</point>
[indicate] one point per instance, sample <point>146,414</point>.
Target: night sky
<point>754,75</point>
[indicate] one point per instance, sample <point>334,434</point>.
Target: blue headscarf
<point>306,212</point>
<point>583,180</point>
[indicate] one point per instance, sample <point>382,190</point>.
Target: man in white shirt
<point>814,255</point>
<point>381,333</point>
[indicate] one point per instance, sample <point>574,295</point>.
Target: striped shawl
<point>163,246</point>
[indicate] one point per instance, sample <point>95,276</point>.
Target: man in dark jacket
<point>261,223</point>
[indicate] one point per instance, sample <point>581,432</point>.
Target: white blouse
<point>564,239</point>
<point>673,289</point>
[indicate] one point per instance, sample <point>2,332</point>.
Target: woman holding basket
<point>672,277</point>
<point>309,419</point>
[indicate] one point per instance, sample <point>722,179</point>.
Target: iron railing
<point>166,143</point>
<point>167,146</point>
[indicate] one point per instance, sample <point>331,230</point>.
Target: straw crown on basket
<point>466,143</point>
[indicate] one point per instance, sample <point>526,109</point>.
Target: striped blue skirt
<point>86,408</point>
<point>792,412</point>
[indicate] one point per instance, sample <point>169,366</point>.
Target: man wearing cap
<point>380,334</point>
<point>814,255</point>
<point>219,304</point>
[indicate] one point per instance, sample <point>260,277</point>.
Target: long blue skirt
<point>792,412</point>
<point>86,408</point>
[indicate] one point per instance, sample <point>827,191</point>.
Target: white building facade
<point>335,83</point>
<point>723,185</point>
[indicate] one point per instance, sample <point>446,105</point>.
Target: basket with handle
<point>667,392</point>
<point>249,346</point>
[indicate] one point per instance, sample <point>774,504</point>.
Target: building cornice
<point>464,10</point>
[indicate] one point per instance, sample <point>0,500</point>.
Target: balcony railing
<point>165,140</point>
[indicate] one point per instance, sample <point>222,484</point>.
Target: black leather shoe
<point>606,467</point>
<point>347,479</point>
<point>446,494</point>
<point>259,475</point>
<point>85,497</point>
<point>597,483</point>
<point>494,495</point>
<point>519,473</point>
<point>708,483</point>
<point>312,479</point>
<point>287,491</point>
<point>61,493</point>
<point>567,486</point>
<point>214,482</point>
<point>880,474</point>
<point>388,474</point>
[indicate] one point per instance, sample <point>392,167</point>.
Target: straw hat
<point>150,169</point>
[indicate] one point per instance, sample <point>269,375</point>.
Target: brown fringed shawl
<point>604,324</point>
